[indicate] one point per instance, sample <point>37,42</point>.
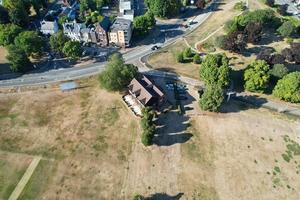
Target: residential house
<point>73,30</point>
<point>121,32</point>
<point>49,27</point>
<point>146,93</point>
<point>101,32</point>
<point>69,3</point>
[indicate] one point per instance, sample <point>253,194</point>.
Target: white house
<point>73,30</point>
<point>49,27</point>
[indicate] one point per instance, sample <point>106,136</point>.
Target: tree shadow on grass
<point>164,196</point>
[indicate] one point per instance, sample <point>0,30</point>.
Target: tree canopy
<point>18,59</point>
<point>8,33</point>
<point>212,98</point>
<point>4,17</point>
<point>18,12</point>
<point>57,42</point>
<point>117,74</point>
<point>72,49</point>
<point>286,29</point>
<point>288,88</point>
<point>142,24</point>
<point>256,76</point>
<point>164,8</point>
<point>215,70</point>
<point>30,42</point>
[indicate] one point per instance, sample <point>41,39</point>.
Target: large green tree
<point>57,42</point>
<point>212,98</point>
<point>18,59</point>
<point>288,88</point>
<point>117,74</point>
<point>286,29</point>
<point>257,76</point>
<point>4,17</point>
<point>142,24</point>
<point>215,70</point>
<point>72,49</point>
<point>30,42</point>
<point>164,8</point>
<point>8,33</point>
<point>18,12</point>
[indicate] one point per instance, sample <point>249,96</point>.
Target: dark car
<point>155,48</point>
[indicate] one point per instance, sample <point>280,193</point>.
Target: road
<point>291,9</point>
<point>170,32</point>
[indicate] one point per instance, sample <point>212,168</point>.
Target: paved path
<point>27,175</point>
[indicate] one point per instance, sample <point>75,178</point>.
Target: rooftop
<point>121,24</point>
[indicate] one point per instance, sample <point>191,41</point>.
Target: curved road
<point>171,32</point>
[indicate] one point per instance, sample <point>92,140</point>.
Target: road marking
<point>27,175</point>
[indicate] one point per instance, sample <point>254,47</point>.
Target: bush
<point>18,59</point>
<point>187,53</point>
<point>138,197</point>
<point>180,57</point>
<point>288,88</point>
<point>282,9</point>
<point>270,3</point>
<point>146,139</point>
<point>240,6</point>
<point>256,76</point>
<point>197,59</point>
<point>288,54</point>
<point>286,29</point>
<point>148,126</point>
<point>278,71</point>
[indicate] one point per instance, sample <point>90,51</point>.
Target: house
<point>69,3</point>
<point>121,32</point>
<point>146,93</point>
<point>101,32</point>
<point>49,27</point>
<point>73,30</point>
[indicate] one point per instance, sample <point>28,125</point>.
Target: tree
<point>142,24</point>
<point>138,197</point>
<point>286,29</point>
<point>150,19</point>
<point>215,70</point>
<point>180,57</point>
<point>4,17</point>
<point>197,59</point>
<point>72,49</point>
<point>295,48</point>
<point>164,8</point>
<point>256,76</point>
<point>148,126</point>
<point>278,71</point>
<point>288,88</point>
<point>18,59</point>
<point>277,59</point>
<point>8,33</point>
<point>235,42</point>
<point>270,3</point>
<point>253,32</point>
<point>117,74</point>
<point>18,12</point>
<point>30,42</point>
<point>212,98</point>
<point>58,41</point>
<point>62,20</point>
<point>231,26</point>
<point>282,9</point>
<point>288,54</point>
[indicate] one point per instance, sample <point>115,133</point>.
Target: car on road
<point>155,47</point>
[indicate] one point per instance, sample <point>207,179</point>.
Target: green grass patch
<point>277,169</point>
<point>39,181</point>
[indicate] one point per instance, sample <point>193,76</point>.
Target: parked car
<point>155,47</point>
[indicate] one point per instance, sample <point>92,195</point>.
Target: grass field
<point>12,168</point>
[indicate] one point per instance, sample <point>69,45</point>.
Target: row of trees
<point>187,55</point>
<point>214,71</point>
<point>164,8</point>
<point>148,126</point>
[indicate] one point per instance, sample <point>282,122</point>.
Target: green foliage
<point>180,57</point>
<point>18,12</point>
<point>18,59</point>
<point>142,24</point>
<point>256,76</point>
<point>286,29</point>
<point>148,126</point>
<point>4,18</point>
<point>231,26</point>
<point>240,6</point>
<point>212,98</point>
<point>30,42</point>
<point>278,71</point>
<point>220,41</point>
<point>117,74</point>
<point>62,20</point>
<point>197,59</point>
<point>288,88</point>
<point>164,8</point>
<point>215,70</point>
<point>264,16</point>
<point>72,49</point>
<point>187,53</point>
<point>57,41</point>
<point>8,33</point>
<point>138,197</point>
<point>93,17</point>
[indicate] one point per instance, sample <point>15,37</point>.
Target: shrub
<point>256,76</point>
<point>278,71</point>
<point>288,88</point>
<point>288,54</point>
<point>286,29</point>
<point>240,6</point>
<point>187,53</point>
<point>197,59</point>
<point>180,57</point>
<point>270,3</point>
<point>138,197</point>
<point>212,98</point>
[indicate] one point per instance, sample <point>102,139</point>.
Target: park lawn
<point>12,168</point>
<point>87,133</point>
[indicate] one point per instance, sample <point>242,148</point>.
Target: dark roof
<point>145,91</point>
<point>105,23</point>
